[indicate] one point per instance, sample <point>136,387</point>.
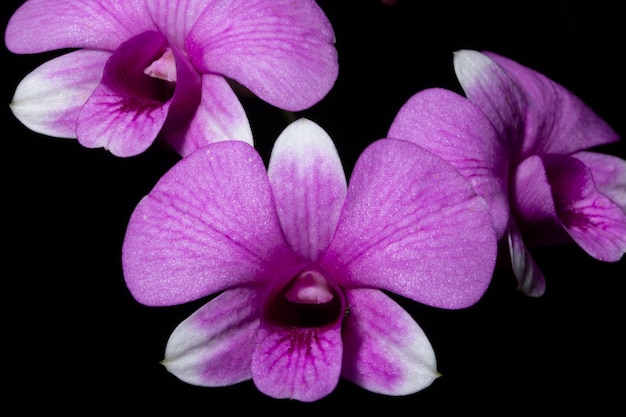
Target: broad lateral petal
<point>49,99</point>
<point>213,347</point>
<point>609,174</point>
<point>309,186</point>
<point>385,351</point>
<point>300,363</point>
<point>455,129</point>
<point>208,224</point>
<point>283,51</point>
<point>93,24</point>
<point>414,226</point>
<point>220,116</point>
<point>530,279</point>
<point>593,220</point>
<point>128,109</point>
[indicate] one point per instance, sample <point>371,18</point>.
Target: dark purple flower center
<point>308,300</point>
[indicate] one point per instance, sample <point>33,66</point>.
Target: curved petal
<point>385,351</point>
<point>300,363</point>
<point>309,186</point>
<point>42,25</point>
<point>593,220</point>
<point>609,174</point>
<point>554,119</point>
<point>208,224</point>
<point>453,128</point>
<point>49,99</point>
<point>530,279</point>
<point>220,116</point>
<point>283,51</point>
<point>128,109</point>
<point>175,18</point>
<point>414,226</point>
<point>213,347</point>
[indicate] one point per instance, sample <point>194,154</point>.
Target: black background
<point>74,339</point>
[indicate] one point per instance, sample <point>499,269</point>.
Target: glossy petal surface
<point>414,226</point>
<point>208,224</point>
<point>385,351</point>
<point>213,347</point>
<point>49,99</point>
<point>309,186</point>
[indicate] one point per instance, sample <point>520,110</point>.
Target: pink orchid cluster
<point>299,259</point>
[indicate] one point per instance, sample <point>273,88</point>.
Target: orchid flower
<point>301,260</point>
<point>143,68</point>
<point>523,141</point>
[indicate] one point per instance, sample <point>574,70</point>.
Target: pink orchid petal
<point>300,363</point>
<point>49,99</point>
<point>283,51</point>
<point>533,204</point>
<point>385,351</point>
<point>208,224</point>
<point>128,109</point>
<point>453,128</point>
<point>593,220</point>
<point>309,186</point>
<point>94,24</point>
<point>530,279</point>
<point>213,347</point>
<point>609,174</point>
<point>554,119</point>
<point>414,226</point>
<point>220,116</point>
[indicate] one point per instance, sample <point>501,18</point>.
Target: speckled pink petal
<point>282,50</point>
<point>208,224</point>
<point>299,363</point>
<point>213,347</point>
<point>413,225</point>
<point>609,174</point>
<point>49,99</point>
<point>309,186</point>
<point>385,351</point>
<point>455,129</point>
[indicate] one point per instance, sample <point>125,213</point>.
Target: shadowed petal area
<point>455,129</point>
<point>282,50</point>
<point>300,363</point>
<point>593,220</point>
<point>92,24</point>
<point>385,351</point>
<point>309,186</point>
<point>220,116</point>
<point>128,109</point>
<point>609,174</point>
<point>530,279</point>
<point>49,99</point>
<point>213,347</point>
<point>414,226</point>
<point>208,224</point>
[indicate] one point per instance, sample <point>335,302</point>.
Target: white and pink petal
<point>213,347</point>
<point>385,350</point>
<point>309,186</point>
<point>49,99</point>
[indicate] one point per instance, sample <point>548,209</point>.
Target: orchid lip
<point>307,300</point>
